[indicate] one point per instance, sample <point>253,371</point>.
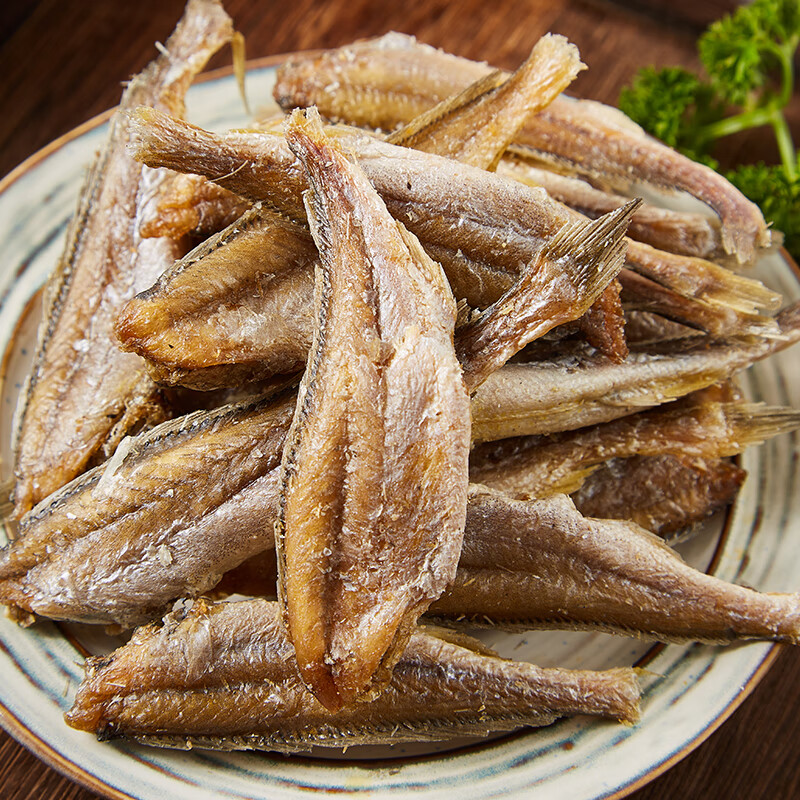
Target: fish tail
<point>753,423</point>
<point>593,252</point>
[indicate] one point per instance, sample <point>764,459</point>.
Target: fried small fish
<point>481,227</point>
<point>224,677</point>
<point>237,308</point>
<point>551,567</point>
<point>538,466</point>
<point>578,390</point>
<point>83,394</point>
<point>375,466</point>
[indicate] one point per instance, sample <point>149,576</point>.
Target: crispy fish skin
<point>588,574</point>
<point>375,467</point>
<point>83,394</point>
<point>540,466</point>
<point>224,677</point>
<point>665,494</point>
<point>387,81</point>
<point>238,306</point>
<point>175,511</point>
<point>574,392</point>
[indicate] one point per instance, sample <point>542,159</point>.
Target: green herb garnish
<point>749,59</point>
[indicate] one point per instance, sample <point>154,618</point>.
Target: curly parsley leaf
<point>673,104</point>
<point>776,194</point>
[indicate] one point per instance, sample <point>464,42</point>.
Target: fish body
<point>179,507</point>
<point>580,390</point>
<point>584,573</point>
<point>238,307</point>
<point>225,677</point>
<point>537,466</point>
<point>375,467</point>
<point>84,394</point>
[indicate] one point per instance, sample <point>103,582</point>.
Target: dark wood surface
<point>62,62</point>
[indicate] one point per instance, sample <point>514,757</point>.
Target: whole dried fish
<point>538,466</point>
<point>77,558</point>
<point>238,307</point>
<point>589,574</point>
<point>83,394</point>
<point>165,518</point>
<point>375,467</point>
<point>574,392</point>
<point>224,677</point>
<point>387,81</point>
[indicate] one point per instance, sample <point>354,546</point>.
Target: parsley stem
<point>785,145</point>
<point>736,123</point>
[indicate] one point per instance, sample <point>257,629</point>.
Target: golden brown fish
<point>224,677</point>
<point>84,394</point>
<point>590,573</point>
<point>385,82</point>
<point>237,308</point>
<point>78,558</point>
<point>375,467</point>
<point>164,519</point>
<point>576,390</point>
<point>538,466</point>
<point>483,234</point>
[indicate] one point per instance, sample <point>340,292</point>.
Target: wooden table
<point>62,62</point>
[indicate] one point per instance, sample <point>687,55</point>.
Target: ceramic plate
<point>689,690</point>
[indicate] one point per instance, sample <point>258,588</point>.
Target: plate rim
<point>47,752</point>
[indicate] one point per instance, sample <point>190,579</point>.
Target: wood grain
<point>63,61</point>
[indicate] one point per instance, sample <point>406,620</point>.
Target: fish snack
<point>396,367</point>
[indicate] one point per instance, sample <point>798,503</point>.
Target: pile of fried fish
<point>405,360</point>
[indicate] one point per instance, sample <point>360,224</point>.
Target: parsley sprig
<point>749,60</point>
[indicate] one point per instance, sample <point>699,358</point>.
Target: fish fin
<point>753,423</point>
<point>404,136</point>
<point>594,250</point>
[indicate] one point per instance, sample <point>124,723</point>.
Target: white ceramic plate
<point>689,690</point>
